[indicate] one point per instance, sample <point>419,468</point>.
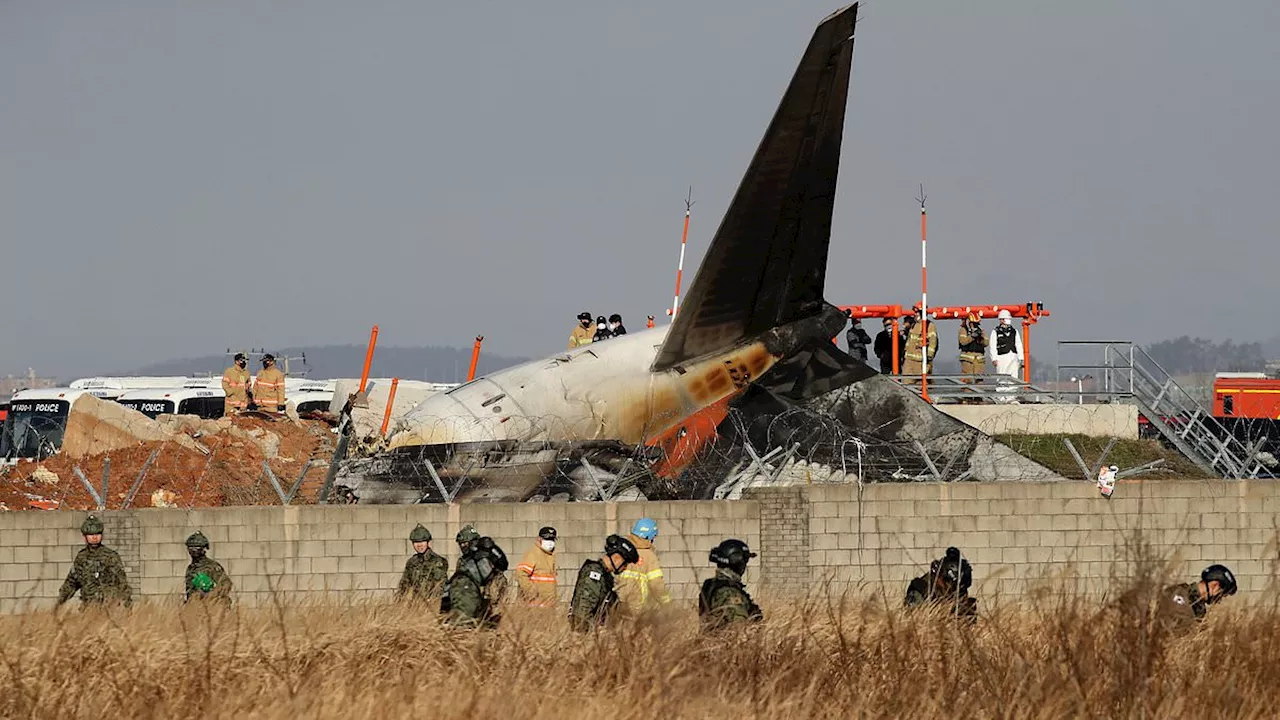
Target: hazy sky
<point>178,177</point>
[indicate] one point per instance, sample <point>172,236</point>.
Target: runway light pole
<point>924,301</point>
<point>684,238</point>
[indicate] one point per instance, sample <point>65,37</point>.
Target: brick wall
<point>784,538</point>
<point>1014,534</point>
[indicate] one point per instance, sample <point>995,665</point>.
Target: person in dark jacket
<point>857,339</point>
<point>883,347</point>
<point>615,325</point>
<point>945,585</point>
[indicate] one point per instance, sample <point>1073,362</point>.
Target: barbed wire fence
<point>125,461</point>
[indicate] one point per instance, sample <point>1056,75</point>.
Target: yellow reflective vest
<point>642,585</point>
<point>912,351</point>
<point>268,390</point>
<point>536,577</point>
<point>235,383</point>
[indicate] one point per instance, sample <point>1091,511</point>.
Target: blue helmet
<point>645,528</point>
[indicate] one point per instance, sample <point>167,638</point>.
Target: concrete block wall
<point>1111,420</point>
<point>1014,534</point>
<point>350,550</point>
<point>1017,535</point>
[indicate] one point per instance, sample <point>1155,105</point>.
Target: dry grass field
<point>1048,656</point>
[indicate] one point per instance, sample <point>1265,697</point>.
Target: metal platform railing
<point>1128,374</point>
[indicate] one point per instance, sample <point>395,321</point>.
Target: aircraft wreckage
<point>746,367</point>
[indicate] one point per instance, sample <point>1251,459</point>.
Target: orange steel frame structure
<point>1029,313</point>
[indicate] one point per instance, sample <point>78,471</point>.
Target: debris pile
<point>191,463</point>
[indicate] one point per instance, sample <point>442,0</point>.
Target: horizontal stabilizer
<point>768,260</point>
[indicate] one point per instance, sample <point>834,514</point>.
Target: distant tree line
<point>1186,354</point>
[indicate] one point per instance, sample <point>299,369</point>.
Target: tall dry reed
<point>1049,656</point>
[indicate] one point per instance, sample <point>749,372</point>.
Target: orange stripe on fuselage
<point>682,443</point>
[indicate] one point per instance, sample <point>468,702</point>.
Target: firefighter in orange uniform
<point>268,387</point>
<point>536,573</point>
<point>235,383</point>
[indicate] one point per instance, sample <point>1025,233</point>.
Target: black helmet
<point>615,318</point>
<point>198,540</point>
<point>732,554</point>
<point>952,568</point>
<point>616,544</point>
<point>600,319</point>
<point>1222,574</point>
<point>268,357</point>
<point>547,533</point>
<point>584,315</point>
<point>484,561</point>
<point>239,357</point>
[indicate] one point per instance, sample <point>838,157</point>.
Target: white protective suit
<point>1007,364</point>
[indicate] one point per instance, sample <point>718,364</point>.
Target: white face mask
<point>548,545</point>
<point>1005,321</point>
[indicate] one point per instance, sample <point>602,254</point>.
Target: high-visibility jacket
<point>581,336</point>
<point>973,344</point>
<point>235,383</point>
<point>268,389</point>
<point>642,585</point>
<point>536,577</point>
<point>912,351</point>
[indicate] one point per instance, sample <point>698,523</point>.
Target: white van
<point>203,402</point>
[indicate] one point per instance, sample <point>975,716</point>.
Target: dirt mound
<point>206,464</point>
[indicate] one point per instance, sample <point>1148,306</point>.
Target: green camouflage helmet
<point>420,534</point>
<point>198,540</point>
<point>91,526</point>
<point>467,534</point>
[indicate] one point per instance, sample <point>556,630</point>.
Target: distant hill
<point>434,363</point>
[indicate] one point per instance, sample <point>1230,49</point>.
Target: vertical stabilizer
<point>768,261</point>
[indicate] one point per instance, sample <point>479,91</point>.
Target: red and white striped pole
<point>684,238</point>
<point>924,301</point>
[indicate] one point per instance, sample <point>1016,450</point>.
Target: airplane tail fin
<point>768,261</point>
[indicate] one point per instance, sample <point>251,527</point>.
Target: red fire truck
<point>1246,395</point>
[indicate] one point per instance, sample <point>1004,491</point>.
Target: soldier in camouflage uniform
<point>496,591</point>
<point>97,573</point>
<point>945,585</point>
<point>425,572</point>
<point>724,599</point>
<point>1185,604</point>
<point>464,603</point>
<point>593,593</point>
<point>205,579</point>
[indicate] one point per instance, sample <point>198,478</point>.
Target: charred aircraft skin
<point>756,300</point>
<point>506,432</point>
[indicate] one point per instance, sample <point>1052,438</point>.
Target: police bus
<point>202,402</point>
<point>37,420</point>
<point>308,395</point>
<point>119,385</point>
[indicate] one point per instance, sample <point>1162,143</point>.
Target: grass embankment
<point>1056,657</point>
<point>1050,451</point>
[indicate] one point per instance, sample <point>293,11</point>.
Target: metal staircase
<point>1129,374</point>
